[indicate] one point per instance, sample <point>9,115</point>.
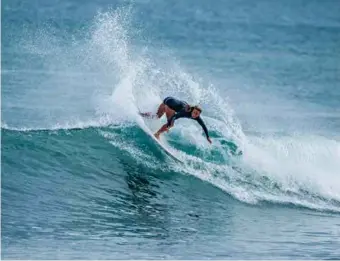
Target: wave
<point>108,77</point>
<point>257,176</point>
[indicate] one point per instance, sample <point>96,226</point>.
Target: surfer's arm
<point>201,122</point>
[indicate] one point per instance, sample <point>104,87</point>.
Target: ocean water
<point>82,180</point>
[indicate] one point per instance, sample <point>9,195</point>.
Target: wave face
<point>80,177</point>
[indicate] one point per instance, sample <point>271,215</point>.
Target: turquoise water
<point>82,180</point>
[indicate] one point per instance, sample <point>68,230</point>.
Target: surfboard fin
<point>148,115</point>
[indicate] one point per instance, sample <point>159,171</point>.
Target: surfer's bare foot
<point>157,135</point>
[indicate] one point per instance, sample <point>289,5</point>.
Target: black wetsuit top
<point>180,107</point>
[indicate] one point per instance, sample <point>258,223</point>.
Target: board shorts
<point>175,104</point>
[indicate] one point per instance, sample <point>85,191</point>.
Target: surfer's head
<point>195,111</point>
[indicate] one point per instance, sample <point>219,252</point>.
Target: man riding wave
<point>175,109</point>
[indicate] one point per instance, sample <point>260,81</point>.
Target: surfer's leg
<point>161,110</point>
<point>169,112</point>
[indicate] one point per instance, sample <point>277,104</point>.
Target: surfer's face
<point>195,113</point>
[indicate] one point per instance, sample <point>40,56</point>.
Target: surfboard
<point>150,125</point>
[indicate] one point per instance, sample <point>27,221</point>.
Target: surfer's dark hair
<point>196,107</point>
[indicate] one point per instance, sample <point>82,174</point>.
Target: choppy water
<point>82,180</point>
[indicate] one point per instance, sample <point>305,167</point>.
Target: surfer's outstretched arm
<point>201,122</point>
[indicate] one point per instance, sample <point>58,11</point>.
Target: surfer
<point>175,109</point>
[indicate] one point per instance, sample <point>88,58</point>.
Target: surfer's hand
<point>209,140</point>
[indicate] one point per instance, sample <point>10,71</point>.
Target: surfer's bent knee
<point>161,110</point>
<point>169,112</point>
